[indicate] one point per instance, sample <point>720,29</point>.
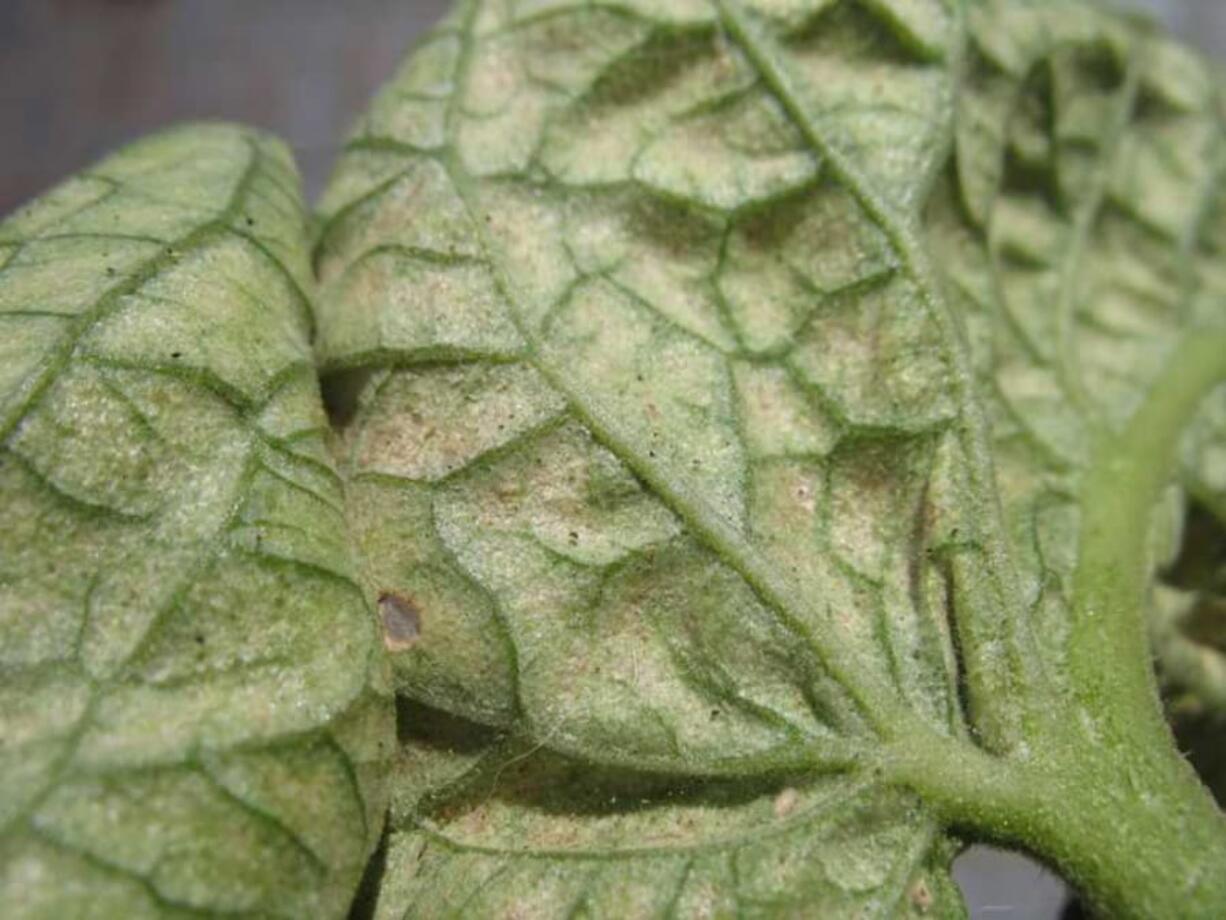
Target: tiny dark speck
<point>250,221</point>
<point>176,354</point>
<point>401,621</point>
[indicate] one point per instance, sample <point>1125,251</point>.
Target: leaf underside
<point>642,525</point>
<point>189,699</point>
<point>1081,228</point>
<point>717,388</point>
<point>702,362</point>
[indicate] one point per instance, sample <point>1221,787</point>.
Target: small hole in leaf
<point>401,621</point>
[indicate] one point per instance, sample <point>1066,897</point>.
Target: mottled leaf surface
<point>191,714</point>
<point>744,413</point>
<point>1080,228</point>
<point>657,446</point>
<point>489,829</point>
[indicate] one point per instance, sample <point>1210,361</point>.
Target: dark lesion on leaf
<point>401,619</point>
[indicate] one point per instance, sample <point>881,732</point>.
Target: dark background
<point>80,77</point>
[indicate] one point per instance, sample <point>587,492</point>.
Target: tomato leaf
<point>656,433</point>
<point>189,702</point>
<point>1081,230</point>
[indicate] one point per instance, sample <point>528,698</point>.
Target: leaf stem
<point>1139,838</point>
<point>1109,651</point>
<point>1102,792</point>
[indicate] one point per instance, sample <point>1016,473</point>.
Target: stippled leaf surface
<point>191,719</point>
<point>485,828</point>
<point>722,386</point>
<point>747,411</point>
<point>1080,229</point>
<point>660,449</point>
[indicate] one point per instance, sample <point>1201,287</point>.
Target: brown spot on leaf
<point>401,621</point>
<point>921,896</point>
<point>786,802</point>
<point>805,498</point>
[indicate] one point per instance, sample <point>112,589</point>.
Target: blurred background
<point>80,77</point>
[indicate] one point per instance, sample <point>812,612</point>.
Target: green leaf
<point>483,828</point>
<point>1081,231</point>
<point>658,449</point>
<point>735,400</point>
<point>765,428</point>
<point>190,701</point>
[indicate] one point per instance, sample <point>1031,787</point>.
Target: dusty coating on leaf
<point>681,455</point>
<point>192,712</point>
<point>557,831</point>
<point>1081,235</point>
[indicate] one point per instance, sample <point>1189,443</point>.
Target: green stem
<point>1109,655</point>
<point>1103,794</point>
<point>1139,838</point>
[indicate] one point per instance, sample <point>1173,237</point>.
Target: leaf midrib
<point>995,679</point>
<point>879,703</point>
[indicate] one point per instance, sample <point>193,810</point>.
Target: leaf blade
<point>169,508</point>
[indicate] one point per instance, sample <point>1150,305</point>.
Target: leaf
<point>1080,230</point>
<point>659,453</point>
<point>482,828</point>
<point>1189,624</point>
<point>193,719</point>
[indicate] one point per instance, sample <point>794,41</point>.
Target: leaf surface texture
<point>193,714</point>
